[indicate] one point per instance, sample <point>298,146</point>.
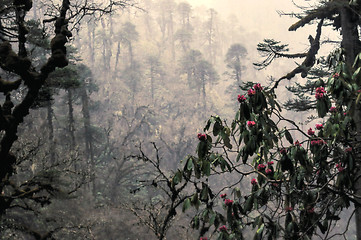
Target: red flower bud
<point>241,98</point>
<point>202,137</point>
<point>288,209</point>
<point>333,109</point>
<point>251,92</point>
<point>348,149</point>
<point>223,228</point>
<point>310,132</point>
<point>251,123</point>
<point>258,87</point>
<point>261,167</point>
<point>253,181</point>
<point>228,202</point>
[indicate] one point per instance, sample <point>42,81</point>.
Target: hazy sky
<point>260,16</point>
<point>259,20</point>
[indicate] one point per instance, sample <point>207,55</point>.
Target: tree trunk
<point>117,59</point>
<point>91,35</point>
<point>203,79</point>
<point>89,151</point>
<point>351,44</point>
<point>50,114</point>
<point>71,119</point>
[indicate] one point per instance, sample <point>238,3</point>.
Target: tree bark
<point>50,114</point>
<point>71,119</point>
<point>89,150</point>
<point>351,45</point>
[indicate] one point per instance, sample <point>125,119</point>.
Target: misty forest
<point>176,119</point>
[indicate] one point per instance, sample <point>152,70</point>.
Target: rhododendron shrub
<point>315,172</point>
<point>295,188</point>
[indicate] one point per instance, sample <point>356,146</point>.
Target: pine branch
<point>325,11</point>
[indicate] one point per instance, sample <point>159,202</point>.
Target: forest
<point>176,119</point>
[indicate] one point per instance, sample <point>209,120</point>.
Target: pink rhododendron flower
<point>319,126</point>
<point>261,167</point>
<point>348,149</point>
<point>310,132</point>
<point>202,137</point>
<point>203,238</point>
<point>270,163</point>
<point>268,171</point>
<point>253,181</point>
<point>297,143</point>
<point>333,109</point>
<point>228,202</point>
<point>311,210</point>
<point>336,75</point>
<point>288,209</point>
<point>317,142</point>
<point>223,228</point>
<point>283,151</point>
<point>320,90</point>
<point>251,123</point>
<point>258,87</point>
<point>251,92</point>
<point>339,167</point>
<point>241,98</point>
<point>223,195</point>
<point>319,95</point>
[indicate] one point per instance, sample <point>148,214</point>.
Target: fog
<point>112,129</point>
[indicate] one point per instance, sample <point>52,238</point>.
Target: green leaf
<point>204,193</point>
<point>197,170</point>
<point>321,108</point>
<point>245,112</point>
<point>290,229</point>
<point>229,215</point>
<point>259,232</point>
<point>177,177</point>
<point>206,168</point>
<point>323,226</point>
<point>249,204</point>
<point>245,156</point>
<point>288,136</point>
<point>217,127</point>
<point>189,164</point>
<point>202,149</point>
<point>186,204</point>
<point>358,98</point>
<point>355,74</point>
<point>212,218</point>
<point>238,156</point>
<point>195,222</point>
<point>207,125</point>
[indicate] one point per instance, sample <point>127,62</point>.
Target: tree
<point>199,72</point>
<point>297,189</point>
<point>184,34</point>
<point>233,60</point>
<point>22,70</point>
